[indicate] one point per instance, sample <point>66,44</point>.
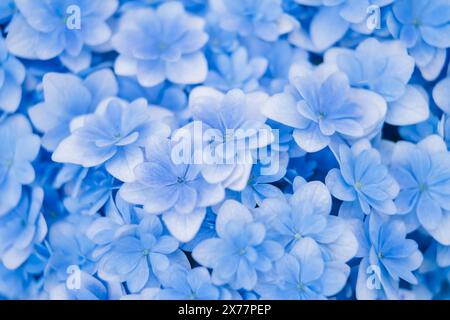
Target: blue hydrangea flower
<point>138,257</point>
<point>232,126</point>
<point>387,257</point>
<point>384,68</point>
<point>91,289</point>
<point>363,181</point>
<point>240,251</point>
<point>66,97</point>
<point>332,21</point>
<point>259,185</point>
<point>281,56</point>
<point>424,26</point>
<point>12,75</point>
<point>23,283</point>
<point>119,216</point>
<point>155,45</point>
<point>322,107</point>
<point>113,135</point>
<point>220,40</point>
<point>306,215</point>
<point>18,149</point>
<point>237,71</point>
<point>423,173</point>
<point>181,284</point>
<point>46,29</point>
<point>264,19</point>
<point>176,190</point>
<point>304,275</point>
<point>22,228</point>
<point>252,149</point>
<point>70,250</point>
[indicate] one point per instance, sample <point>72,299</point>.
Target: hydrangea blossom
<point>333,19</point>
<point>47,29</point>
<point>19,148</point>
<point>113,135</point>
<point>87,193</point>
<point>323,106</point>
<point>385,249</point>
<point>69,251</point>
<point>233,127</point>
<point>423,172</point>
<point>362,181</point>
<point>139,256</point>
<point>304,275</point>
<point>424,27</point>
<point>67,97</point>
<point>386,69</point>
<point>253,149</point>
<point>182,284</point>
<point>237,71</point>
<point>259,185</point>
<point>165,43</point>
<point>306,215</point>
<point>176,190</point>
<point>22,228</point>
<point>240,251</point>
<point>265,18</point>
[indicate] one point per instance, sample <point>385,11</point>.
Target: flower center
<point>145,252</point>
<point>380,255</point>
<point>300,286</point>
<point>297,236</point>
<point>9,162</point>
<point>181,180</point>
<point>242,252</point>
<point>358,185</point>
<point>228,137</point>
<point>423,187</point>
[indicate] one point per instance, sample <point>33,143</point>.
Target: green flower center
<point>423,187</point>
<point>228,137</point>
<point>358,185</point>
<point>9,162</point>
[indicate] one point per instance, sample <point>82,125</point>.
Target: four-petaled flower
<point>155,45</point>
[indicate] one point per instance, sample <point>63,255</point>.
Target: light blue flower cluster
<point>215,149</point>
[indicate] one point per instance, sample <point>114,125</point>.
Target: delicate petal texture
<point>224,149</point>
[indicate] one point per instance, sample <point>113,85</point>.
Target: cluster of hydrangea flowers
<point>339,187</point>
